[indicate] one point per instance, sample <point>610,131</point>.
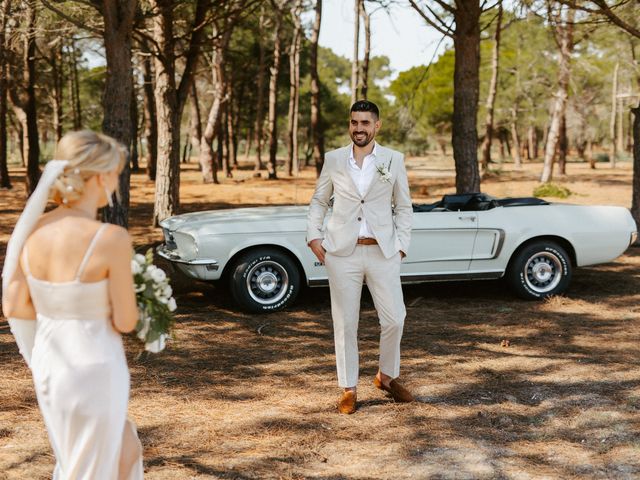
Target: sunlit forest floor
<point>237,396</point>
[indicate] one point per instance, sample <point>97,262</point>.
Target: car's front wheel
<point>264,280</point>
<point>539,270</point>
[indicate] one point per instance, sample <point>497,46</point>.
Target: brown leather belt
<point>366,241</point>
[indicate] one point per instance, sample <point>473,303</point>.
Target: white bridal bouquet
<point>155,303</point>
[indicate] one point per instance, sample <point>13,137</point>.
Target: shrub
<point>551,190</point>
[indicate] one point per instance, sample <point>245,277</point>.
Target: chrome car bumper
<point>199,268</point>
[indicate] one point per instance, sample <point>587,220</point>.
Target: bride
<point>68,293</point>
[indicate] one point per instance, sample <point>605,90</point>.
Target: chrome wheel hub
<point>267,282</point>
<point>543,272</point>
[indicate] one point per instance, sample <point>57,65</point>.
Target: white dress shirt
<point>362,178</point>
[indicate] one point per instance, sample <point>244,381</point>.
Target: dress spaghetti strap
<point>89,251</point>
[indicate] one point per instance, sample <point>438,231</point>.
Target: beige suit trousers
<point>346,277</point>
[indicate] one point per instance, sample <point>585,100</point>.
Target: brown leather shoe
<point>347,402</point>
<point>395,388</point>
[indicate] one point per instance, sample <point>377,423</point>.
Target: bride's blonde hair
<point>88,154</point>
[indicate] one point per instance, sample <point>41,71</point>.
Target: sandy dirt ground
<point>239,396</point>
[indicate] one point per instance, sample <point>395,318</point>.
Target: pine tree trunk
<point>74,86</point>
<point>226,159</point>
<point>219,159</point>
<point>117,96</point>
<point>228,137</point>
<point>466,85</point>
<point>612,125</point>
<point>291,166</point>
<point>5,180</point>
<point>23,98</point>
<point>315,122</point>
<point>273,101</point>
<point>58,81</point>
<point>493,88</point>
<point>170,101</point>
<point>532,153</point>
<point>150,119</point>
<point>355,67</point>
<point>208,164</point>
<point>167,198</point>
<point>635,201</point>
<point>195,122</point>
<point>236,111</point>
<point>134,156</point>
<point>258,130</point>
<point>565,33</point>
<point>366,18</point>
<point>620,126</point>
<point>563,145</point>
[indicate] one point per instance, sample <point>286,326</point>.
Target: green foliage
<point>551,190</point>
<point>424,102</point>
<point>91,83</point>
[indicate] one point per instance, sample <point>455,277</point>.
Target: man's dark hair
<point>366,106</point>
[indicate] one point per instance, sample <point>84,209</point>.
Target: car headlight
<point>185,245</point>
<point>169,241</point>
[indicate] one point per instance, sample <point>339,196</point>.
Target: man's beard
<point>368,137</point>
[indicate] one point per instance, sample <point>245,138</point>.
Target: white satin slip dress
<point>80,375</point>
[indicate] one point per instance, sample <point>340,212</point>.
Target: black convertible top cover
<point>473,202</point>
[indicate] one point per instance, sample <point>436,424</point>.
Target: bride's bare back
<point>58,245</point>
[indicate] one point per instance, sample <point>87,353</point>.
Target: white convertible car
<point>263,255</point>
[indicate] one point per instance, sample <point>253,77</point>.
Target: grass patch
<point>551,190</point>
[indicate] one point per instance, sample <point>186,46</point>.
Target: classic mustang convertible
<point>262,252</point>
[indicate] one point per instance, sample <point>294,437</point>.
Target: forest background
<point>237,82</point>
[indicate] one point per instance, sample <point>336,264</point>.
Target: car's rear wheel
<point>539,270</point>
<point>265,280</point>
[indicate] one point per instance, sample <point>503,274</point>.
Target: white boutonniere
<point>384,171</point>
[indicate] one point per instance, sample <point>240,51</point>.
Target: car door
<point>441,244</point>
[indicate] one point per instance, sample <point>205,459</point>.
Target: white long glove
<point>24,331</point>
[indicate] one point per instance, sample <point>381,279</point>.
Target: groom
<point>365,239</point>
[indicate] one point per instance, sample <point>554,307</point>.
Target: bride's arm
<point>20,313</point>
<point>121,289</point>
<point>16,301</point>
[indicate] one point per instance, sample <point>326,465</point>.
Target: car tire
<point>539,270</point>
<point>264,280</point>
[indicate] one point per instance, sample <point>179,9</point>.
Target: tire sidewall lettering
<point>281,303</point>
<point>252,263</point>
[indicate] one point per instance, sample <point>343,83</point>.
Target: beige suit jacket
<point>386,205</point>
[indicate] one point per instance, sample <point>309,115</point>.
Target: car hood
<point>239,220</point>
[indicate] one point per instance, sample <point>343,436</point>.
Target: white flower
<point>157,345</point>
<point>148,278</point>
<point>383,171</point>
<point>172,304</point>
<point>135,267</point>
<point>158,275</point>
